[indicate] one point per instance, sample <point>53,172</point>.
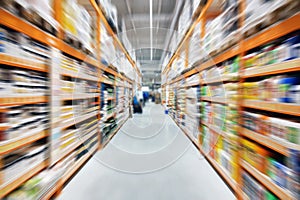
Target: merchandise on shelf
<point>267,12</point>
<point>194,47</point>
<point>38,186</point>
<point>21,46</point>
<point>184,20</point>
<point>254,190</point>
<point>226,154</point>
<point>17,163</point>
<point>205,139</point>
<point>223,29</point>
<point>193,80</point>
<point>278,52</point>
<point>33,11</point>
<point>111,14</point>
<point>293,162</point>
<point>233,88</point>
<point>223,72</point>
<point>255,155</point>
<point>282,88</point>
<point>78,86</point>
<point>279,129</point>
<point>271,165</point>
<point>77,22</point>
<point>22,121</point>
<point>191,120</point>
<point>75,68</point>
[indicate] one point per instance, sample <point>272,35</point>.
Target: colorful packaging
<point>251,90</point>
<point>265,89</point>
<point>255,155</point>
<point>251,121</point>
<point>252,188</point>
<point>294,94</point>
<point>280,175</point>
<point>270,196</point>
<point>284,129</point>
<point>285,85</point>
<point>294,174</point>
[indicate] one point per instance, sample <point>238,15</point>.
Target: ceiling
<point>136,17</point>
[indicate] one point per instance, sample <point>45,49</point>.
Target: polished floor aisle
<point>148,159</point>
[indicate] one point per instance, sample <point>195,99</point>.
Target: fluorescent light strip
<point>151,54</point>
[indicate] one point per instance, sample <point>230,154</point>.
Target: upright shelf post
<point>98,50</point>
<point>57,9</point>
<point>241,21</point>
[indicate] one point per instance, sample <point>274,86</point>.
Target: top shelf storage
<point>20,25</point>
<point>14,22</point>
<point>278,30</point>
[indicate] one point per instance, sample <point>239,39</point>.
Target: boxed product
<point>250,90</point>
<point>278,172</point>
<point>293,162</point>
<point>255,155</point>
<point>284,129</point>
<point>254,190</point>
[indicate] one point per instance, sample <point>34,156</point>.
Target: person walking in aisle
<point>141,98</point>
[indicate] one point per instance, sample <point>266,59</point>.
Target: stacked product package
<point>77,22</point>
<point>194,46</point>
<point>267,12</point>
<point>223,29</point>
<point>108,50</point>
<point>18,45</point>
<point>33,11</point>
<point>191,112</point>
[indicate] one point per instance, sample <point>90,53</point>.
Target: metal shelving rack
<point>271,33</point>
<point>15,23</point>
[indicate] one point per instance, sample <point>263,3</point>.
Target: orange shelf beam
<point>284,67</point>
<point>223,174</point>
<point>11,145</point>
<point>14,22</point>
<point>278,30</point>
<point>78,96</point>
<point>284,108</point>
<point>267,182</point>
<point>4,190</point>
<point>279,146</point>
<point>22,63</point>
<point>221,78</point>
<point>12,101</point>
<point>234,51</point>
<point>217,100</point>
<point>270,34</point>
<point>71,172</point>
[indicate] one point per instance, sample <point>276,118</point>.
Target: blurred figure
<point>137,108</point>
<point>141,98</point>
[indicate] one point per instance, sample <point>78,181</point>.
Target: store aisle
<point>149,158</point>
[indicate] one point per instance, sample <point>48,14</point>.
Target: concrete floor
<point>148,159</point>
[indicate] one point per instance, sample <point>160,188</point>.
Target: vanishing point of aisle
<point>148,159</point>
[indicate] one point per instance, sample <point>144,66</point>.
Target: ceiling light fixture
<point>151,55</point>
